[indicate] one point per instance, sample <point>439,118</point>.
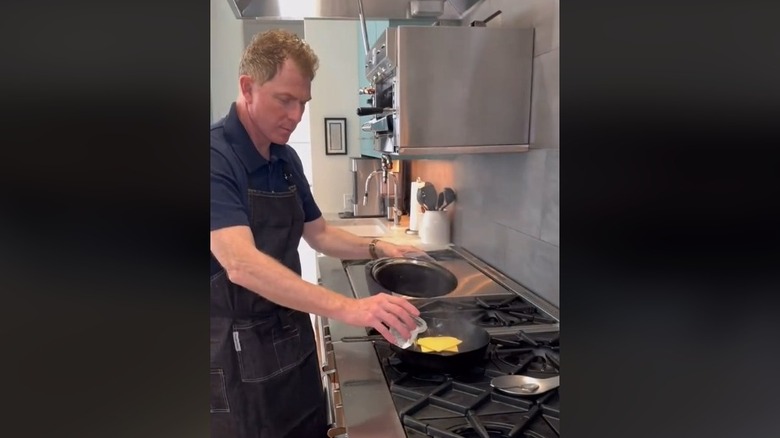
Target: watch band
<point>372,249</point>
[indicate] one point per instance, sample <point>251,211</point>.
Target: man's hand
<point>387,249</point>
<point>382,311</point>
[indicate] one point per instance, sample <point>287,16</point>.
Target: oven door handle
<point>371,110</point>
<point>331,411</point>
<point>337,432</point>
<point>334,407</point>
<point>322,342</point>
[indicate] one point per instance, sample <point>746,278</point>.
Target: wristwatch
<point>372,249</point>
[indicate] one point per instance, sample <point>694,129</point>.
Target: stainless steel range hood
<point>276,10</point>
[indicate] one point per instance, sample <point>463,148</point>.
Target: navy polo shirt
<point>236,167</point>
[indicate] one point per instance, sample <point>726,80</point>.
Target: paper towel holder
<point>414,207</point>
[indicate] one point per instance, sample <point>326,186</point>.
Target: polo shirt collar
<point>245,149</point>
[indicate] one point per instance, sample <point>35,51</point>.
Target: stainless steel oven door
<point>330,379</point>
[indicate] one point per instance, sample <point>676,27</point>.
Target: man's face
<point>276,107</point>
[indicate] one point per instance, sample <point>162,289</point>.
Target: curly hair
<point>268,50</point>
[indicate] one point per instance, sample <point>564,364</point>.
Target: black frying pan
<point>470,352</point>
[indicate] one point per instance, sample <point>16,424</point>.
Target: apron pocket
<point>218,401</point>
<point>266,351</point>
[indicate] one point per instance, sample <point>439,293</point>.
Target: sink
<point>367,227</point>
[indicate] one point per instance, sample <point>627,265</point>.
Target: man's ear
<point>245,83</point>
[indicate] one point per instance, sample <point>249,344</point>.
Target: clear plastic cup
<point>406,343</point>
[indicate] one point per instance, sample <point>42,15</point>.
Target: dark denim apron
<point>265,380</point>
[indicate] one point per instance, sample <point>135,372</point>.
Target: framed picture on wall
<point>336,136</point>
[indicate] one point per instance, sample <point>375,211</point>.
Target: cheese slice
<point>438,343</point>
<point>453,349</point>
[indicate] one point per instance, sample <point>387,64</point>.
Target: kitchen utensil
<point>524,385</point>
<point>470,352</point>
<point>440,201</point>
<point>449,197</point>
<point>421,196</point>
<point>427,196</point>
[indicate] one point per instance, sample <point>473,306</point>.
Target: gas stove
<point>480,292</point>
<point>491,312</point>
<point>380,392</point>
<point>463,404</point>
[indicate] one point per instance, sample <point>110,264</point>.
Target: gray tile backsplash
<point>531,262</point>
<point>550,211</point>
<point>484,238</point>
<point>535,262</point>
<point>507,215</point>
<point>556,27</point>
<point>545,100</point>
<point>507,188</point>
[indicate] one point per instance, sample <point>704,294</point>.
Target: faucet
<point>395,211</point>
<point>365,189</point>
<point>387,165</point>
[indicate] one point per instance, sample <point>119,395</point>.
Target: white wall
<point>334,91</point>
<point>333,95</point>
<point>229,37</point>
<point>227,43</point>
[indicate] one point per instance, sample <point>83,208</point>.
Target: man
<point>265,380</point>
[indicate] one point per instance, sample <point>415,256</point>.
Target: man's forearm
<point>272,280</point>
<point>341,244</point>
<point>248,267</point>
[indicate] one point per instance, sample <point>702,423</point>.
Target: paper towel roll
<point>414,206</point>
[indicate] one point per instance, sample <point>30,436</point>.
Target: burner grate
<point>530,423</point>
<point>459,405</point>
<point>485,311</point>
<point>510,311</point>
<point>523,354</point>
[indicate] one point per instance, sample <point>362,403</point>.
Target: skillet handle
<point>363,338</point>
